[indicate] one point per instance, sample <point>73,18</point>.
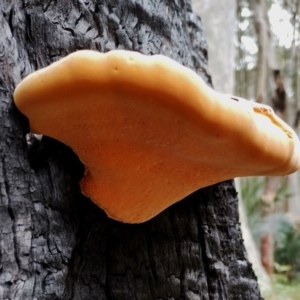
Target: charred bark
<point>54,242</point>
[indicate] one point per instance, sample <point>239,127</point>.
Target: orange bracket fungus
<point>150,131</point>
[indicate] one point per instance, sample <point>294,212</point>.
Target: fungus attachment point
<point>150,131</point>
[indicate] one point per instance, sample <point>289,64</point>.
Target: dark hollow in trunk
<point>54,242</point>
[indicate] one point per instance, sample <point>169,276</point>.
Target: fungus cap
<point>150,131</point>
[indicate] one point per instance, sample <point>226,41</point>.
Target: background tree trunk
<point>270,89</point>
<point>54,242</point>
<point>221,49</point>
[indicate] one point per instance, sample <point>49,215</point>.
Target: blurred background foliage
<point>286,233</point>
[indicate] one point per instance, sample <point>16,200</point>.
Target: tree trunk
<point>262,27</point>
<point>270,90</point>
<point>54,242</point>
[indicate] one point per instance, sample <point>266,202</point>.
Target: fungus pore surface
<point>150,131</point>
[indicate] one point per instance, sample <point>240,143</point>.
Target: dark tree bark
<point>54,242</point>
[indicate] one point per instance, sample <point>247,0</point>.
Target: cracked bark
<point>55,243</point>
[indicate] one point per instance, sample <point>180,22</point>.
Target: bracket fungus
<point>150,131</point>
